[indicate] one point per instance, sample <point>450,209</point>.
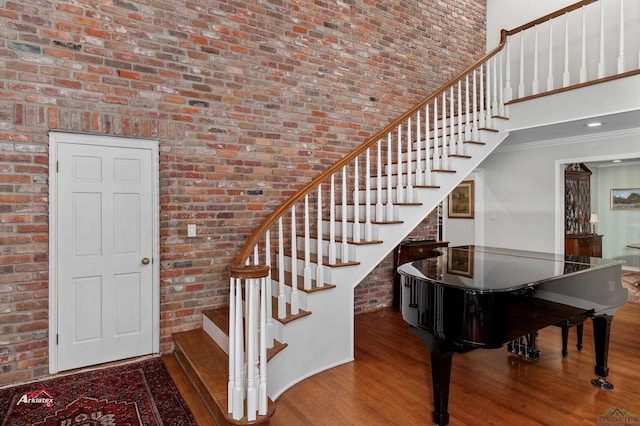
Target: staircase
<point>290,314</point>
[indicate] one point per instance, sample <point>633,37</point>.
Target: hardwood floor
<point>390,384</point>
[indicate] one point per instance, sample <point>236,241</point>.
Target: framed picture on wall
<point>625,198</point>
<point>461,201</point>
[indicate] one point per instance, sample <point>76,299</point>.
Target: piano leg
<point>601,331</point>
<point>565,338</point>
<point>441,377</point>
<point>441,357</point>
<point>579,330</point>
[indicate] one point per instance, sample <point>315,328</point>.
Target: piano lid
<point>491,269</point>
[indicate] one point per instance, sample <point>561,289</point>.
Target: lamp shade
<point>593,218</point>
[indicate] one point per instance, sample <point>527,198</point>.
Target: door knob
<point>145,261</point>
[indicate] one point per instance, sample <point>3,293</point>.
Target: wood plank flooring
<point>390,384</point>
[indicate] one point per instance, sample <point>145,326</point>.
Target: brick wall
<point>241,95</point>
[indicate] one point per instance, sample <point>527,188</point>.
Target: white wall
<point>524,196</point>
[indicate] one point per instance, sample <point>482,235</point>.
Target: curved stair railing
<point>319,227</point>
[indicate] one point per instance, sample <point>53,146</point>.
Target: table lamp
<point>593,220</point>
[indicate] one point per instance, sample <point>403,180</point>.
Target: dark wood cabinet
<point>578,239</point>
<point>583,245</point>
<point>577,199</point>
<point>408,251</point>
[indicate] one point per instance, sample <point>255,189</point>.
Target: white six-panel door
<point>104,250</point>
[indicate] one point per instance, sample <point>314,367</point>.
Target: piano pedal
<point>602,383</point>
<point>525,351</point>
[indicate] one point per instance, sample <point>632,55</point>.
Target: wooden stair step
<point>325,260</point>
<point>207,367</point>
<point>288,315</point>
<point>288,279</point>
<point>220,317</point>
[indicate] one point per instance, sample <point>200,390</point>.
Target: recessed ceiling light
<point>594,124</point>
<point>617,161</point>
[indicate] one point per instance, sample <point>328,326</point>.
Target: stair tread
<point>220,317</point>
<point>288,315</point>
<point>275,275</point>
<point>325,260</point>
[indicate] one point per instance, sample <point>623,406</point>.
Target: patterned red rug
<point>631,280</point>
<point>140,393</point>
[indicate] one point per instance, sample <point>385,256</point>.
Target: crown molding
<point>592,137</point>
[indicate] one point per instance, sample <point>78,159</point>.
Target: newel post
<point>247,365</point>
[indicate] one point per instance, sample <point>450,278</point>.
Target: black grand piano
<point>472,297</point>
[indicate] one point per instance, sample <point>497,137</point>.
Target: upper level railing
<point>574,45</point>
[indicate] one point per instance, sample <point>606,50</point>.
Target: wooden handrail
<point>253,239</point>
<point>550,16</point>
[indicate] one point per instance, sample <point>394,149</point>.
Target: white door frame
<point>559,199</point>
<point>101,140</point>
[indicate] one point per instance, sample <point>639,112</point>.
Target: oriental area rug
<point>631,281</point>
<point>139,393</point>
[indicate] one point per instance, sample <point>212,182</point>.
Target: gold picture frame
<point>625,198</point>
<point>461,201</point>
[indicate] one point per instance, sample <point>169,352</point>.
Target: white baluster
<point>389,181</point>
<point>409,187</point>
<point>368,230</point>
<point>332,222</point>
<point>345,246</point>
<point>252,392</point>
<point>444,157</point>
<point>379,205</point>
<point>295,304</point>
<point>319,251</point>
<point>521,85</point>
<point>566,76</point>
<point>307,246</point>
<point>436,143</point>
<point>419,173</point>
<point>500,86</point>
<point>238,386</point>
<point>550,69</point>
<point>269,314</point>
<point>400,177</point>
<point>356,203</point>
<point>262,380</point>
<point>427,149</point>
<point>453,142</point>
<point>487,97</point>
<point>508,90</point>
<point>282,296</point>
<point>460,133</point>
<point>583,50</point>
<point>495,107</point>
<point>535,85</point>
<point>467,113</point>
<point>621,41</point>
<point>601,67</point>
<point>232,346</point>
<point>474,130</point>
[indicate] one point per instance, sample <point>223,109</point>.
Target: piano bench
<point>578,322</point>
